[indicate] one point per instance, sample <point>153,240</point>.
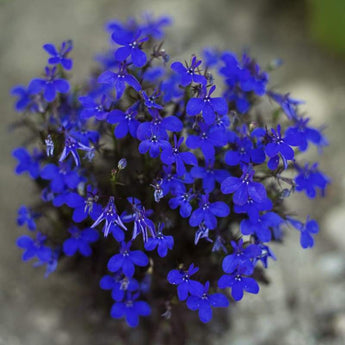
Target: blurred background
<point>305,304</point>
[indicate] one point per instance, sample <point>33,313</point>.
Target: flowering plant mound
<point>175,183</point>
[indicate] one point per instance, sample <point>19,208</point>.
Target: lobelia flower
<point>34,247</point>
<point>279,147</point>
<point>59,56</point>
<point>209,175</point>
<point>80,241</point>
<point>49,146</point>
<point>202,232</point>
<point>308,229</point>
<point>131,309</point>
<point>142,224</point>
<point>171,155</point>
<point>26,216</point>
<point>182,199</point>
<point>119,285</point>
<point>153,27</point>
<point>91,108</point>
<point>239,281</point>
<point>149,101</point>
<point>50,86</point>
<point>71,147</point>
<point>185,285</point>
<point>119,80</point>
<point>51,264</point>
<point>244,187</point>
<point>208,211</point>
<point>131,43</point>
<point>60,176</point>
<point>207,105</point>
<point>241,258</point>
<point>25,100</point>
<point>309,178</point>
<point>266,252</point>
<point>288,104</point>
<point>253,208</point>
<point>162,242</point>
<point>127,259</point>
<point>153,142</point>
<point>127,121</point>
<point>27,163</point>
<point>261,226</point>
<point>207,139</point>
<point>190,73</point>
<point>110,216</point>
<point>204,301</point>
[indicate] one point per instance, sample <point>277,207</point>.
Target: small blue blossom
<point>185,285</point>
<point>309,228</point>
<point>131,46</point>
<point>309,178</point>
<point>162,242</point>
<point>190,73</point>
<point>208,211</point>
<point>27,163</point>
<point>207,105</point>
<point>238,281</point>
<point>244,188</point>
<point>80,241</point>
<point>127,259</point>
<point>59,56</point>
<point>50,86</point>
<point>173,155</point>
<point>110,216</point>
<point>182,199</point>
<point>119,80</point>
<point>131,309</point>
<point>49,146</point>
<point>34,247</point>
<point>203,302</point>
<point>71,147</point>
<point>26,216</point>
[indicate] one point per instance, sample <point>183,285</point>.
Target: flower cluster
<point>159,169</point>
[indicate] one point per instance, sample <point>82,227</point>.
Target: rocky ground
<point>305,304</point>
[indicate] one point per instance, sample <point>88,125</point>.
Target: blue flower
<point>202,232</point>
<point>190,73</point>
<point>279,146</point>
<point>127,121</point>
<point>182,198</point>
<point>209,175</point>
<point>119,284</point>
<point>184,284</point>
<point>308,229</point>
<point>26,216</point>
<point>142,224</point>
<point>91,108</point>
<point>288,104</point>
<point>131,309</point>
<point>241,258</point>
<point>153,142</point>
<point>261,226</point>
<point>50,86</point>
<point>27,162</point>
<point>153,27</point>
<point>207,105</point>
<point>60,177</point>
<point>207,139</point>
<point>238,282</point>
<point>71,147</point>
<point>208,211</point>
<point>266,252</point>
<point>173,155</point>
<point>309,178</point>
<point>34,247</point>
<point>244,188</point>
<point>110,216</point>
<point>119,80</point>
<point>60,56</point>
<point>131,44</point>
<point>80,241</point>
<point>127,259</point>
<point>162,242</point>
<point>204,301</point>
<point>24,100</point>
<point>149,101</point>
